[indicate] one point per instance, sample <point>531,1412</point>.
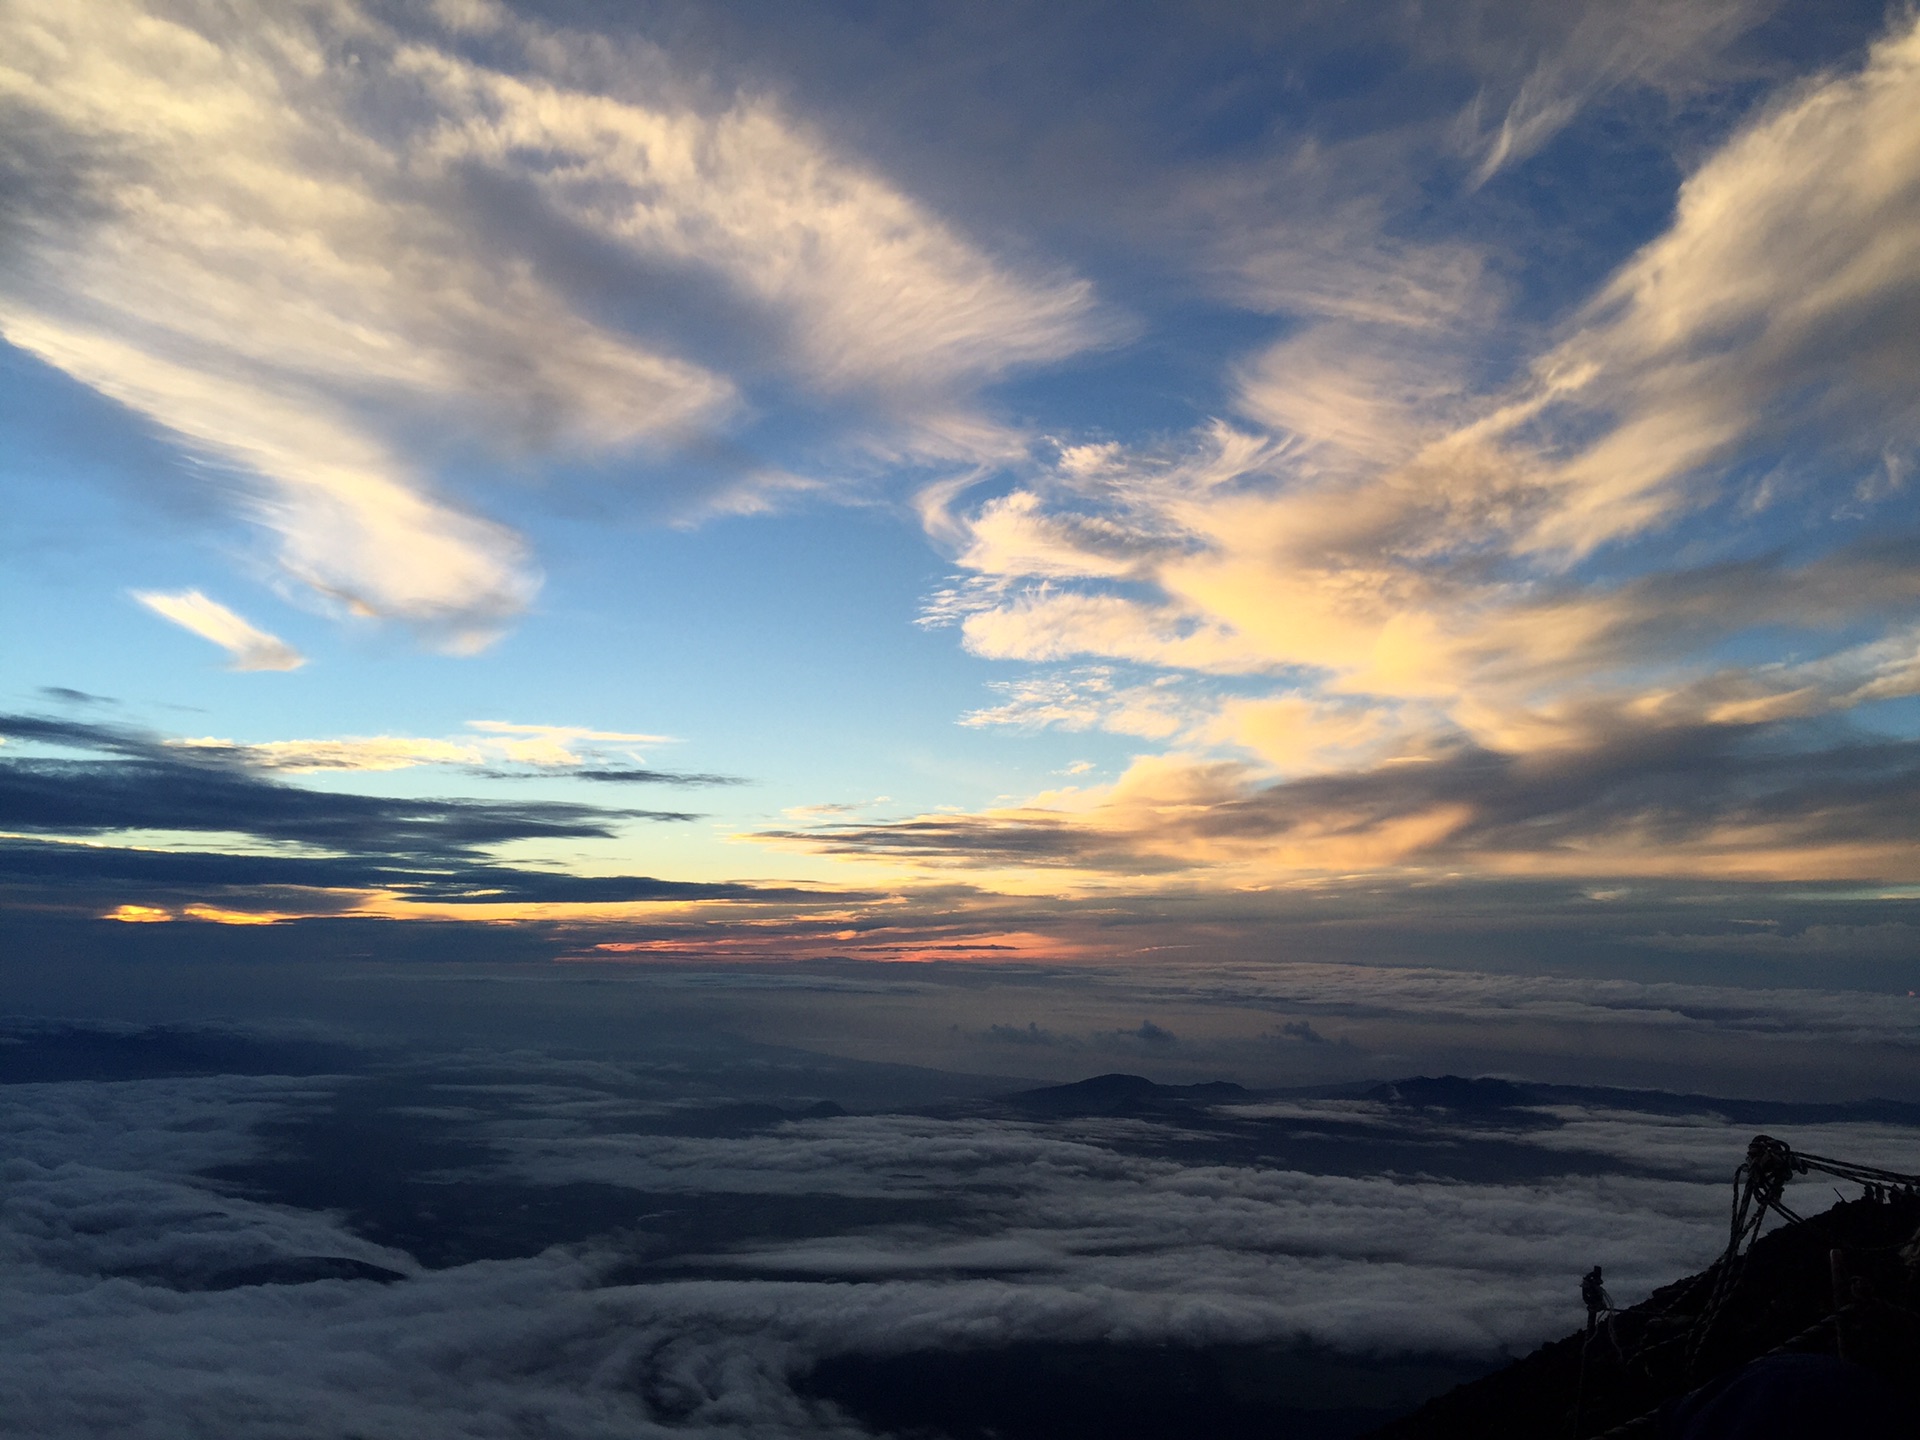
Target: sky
<point>1245,500</point>
<point>625,626</point>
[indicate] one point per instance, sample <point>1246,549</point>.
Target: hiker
<point>1599,1303</point>
<point>1599,1308</point>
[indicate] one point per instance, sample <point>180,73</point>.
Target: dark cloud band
<point>145,784</point>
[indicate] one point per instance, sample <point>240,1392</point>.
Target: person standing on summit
<point>1594,1292</point>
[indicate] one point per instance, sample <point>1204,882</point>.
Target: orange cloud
<point>138,914</point>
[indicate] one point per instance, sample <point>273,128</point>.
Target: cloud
<point>212,832</point>
<point>1346,1224</point>
<point>1149,1034</point>
<point>242,274</point>
<point>251,648</point>
<point>1089,698</point>
<point>529,750</point>
<point>657,777</point>
<point>880,292</point>
<point>1693,1017</point>
<point>1686,799</point>
<point>553,744</point>
<point>147,784</point>
<point>1298,735</point>
<point>182,879</point>
<point>1643,46</point>
<point>354,752</point>
<point>1351,227</point>
<point>1353,395</point>
<point>1777,312</point>
<point>359,238</point>
<point>1438,608</point>
<point>1302,1032</point>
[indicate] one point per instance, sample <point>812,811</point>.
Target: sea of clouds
<point>671,1243</point>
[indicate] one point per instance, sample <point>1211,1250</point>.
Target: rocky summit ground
<point>1784,1301</point>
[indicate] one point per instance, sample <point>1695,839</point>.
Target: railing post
<point>1837,1272</point>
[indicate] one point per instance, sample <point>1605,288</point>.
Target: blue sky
<point>986,468</point>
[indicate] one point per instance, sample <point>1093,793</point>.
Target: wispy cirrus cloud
<point>878,290</point>
<point>304,240</point>
<point>1333,226</point>
<point>251,647</point>
<point>1776,315</point>
<point>1645,45</point>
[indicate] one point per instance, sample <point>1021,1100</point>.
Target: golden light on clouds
<point>1580,550</point>
<point>138,914</point>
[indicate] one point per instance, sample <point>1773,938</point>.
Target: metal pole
<point>1837,1272</point>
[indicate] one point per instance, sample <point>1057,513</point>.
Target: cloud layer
<point>877,1234</point>
<point>272,846</point>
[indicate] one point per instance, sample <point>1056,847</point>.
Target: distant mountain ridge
<point>1116,1094</point>
<point>1119,1094</point>
<point>1487,1093</point>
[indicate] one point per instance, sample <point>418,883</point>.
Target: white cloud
<point>1096,1230</point>
<point>350,752</point>
<point>1779,309</point>
<point>266,230</point>
<point>553,744</point>
<point>1354,395</point>
<point>881,292</point>
<point>250,647</point>
<point>1086,699</point>
<point>1650,45</point>
<point>497,742</point>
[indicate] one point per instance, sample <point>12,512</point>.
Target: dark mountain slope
<point>1783,1299</point>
